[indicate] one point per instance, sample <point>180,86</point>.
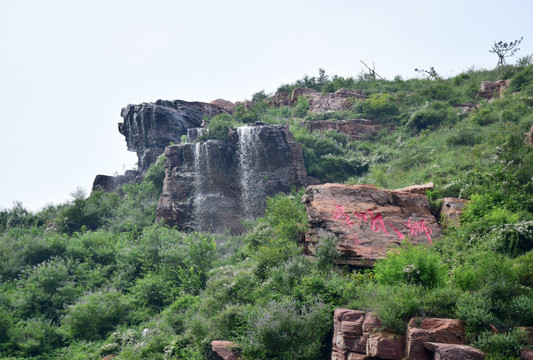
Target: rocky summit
<point>214,185</point>
<point>150,127</point>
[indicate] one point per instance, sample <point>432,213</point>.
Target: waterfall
<point>201,172</point>
<point>250,172</point>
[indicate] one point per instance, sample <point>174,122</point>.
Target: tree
<point>431,73</point>
<point>504,50</point>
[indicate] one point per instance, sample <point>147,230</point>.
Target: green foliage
<point>437,114</point>
<point>280,330</point>
<point>378,106</point>
<point>502,345</point>
<point>95,314</point>
<point>409,264</point>
<point>301,108</point>
<point>218,128</point>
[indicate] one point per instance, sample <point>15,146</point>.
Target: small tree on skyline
<point>504,50</point>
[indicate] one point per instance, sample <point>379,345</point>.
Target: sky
<point>67,67</point>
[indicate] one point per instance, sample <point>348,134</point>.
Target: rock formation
<point>529,137</point>
<point>366,220</point>
<point>223,350</point>
<point>110,183</point>
<point>150,127</point>
<point>214,185</point>
<point>342,99</point>
<point>491,89</point>
<point>355,128</point>
<point>451,211</point>
<point>358,336</point>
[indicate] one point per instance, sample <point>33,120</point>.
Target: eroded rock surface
<point>109,183</point>
<point>355,128</point>
<point>454,351</point>
<point>438,330</point>
<point>491,89</point>
<point>341,99</point>
<point>223,350</point>
<point>366,220</point>
<point>150,127</point>
<point>451,210</point>
<point>385,345</point>
<point>215,185</point>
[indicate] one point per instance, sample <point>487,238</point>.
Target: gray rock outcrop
<point>150,127</point>
<point>214,185</point>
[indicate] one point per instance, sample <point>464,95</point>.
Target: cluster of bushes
<point>97,276</point>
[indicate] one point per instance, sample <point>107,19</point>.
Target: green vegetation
<point>97,276</point>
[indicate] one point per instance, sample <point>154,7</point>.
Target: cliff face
<point>214,185</point>
<point>150,127</point>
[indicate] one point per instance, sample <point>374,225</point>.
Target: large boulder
<point>214,185</point>
<point>529,137</point>
<point>366,220</point>
<point>454,351</point>
<point>384,345</point>
<point>223,350</point>
<point>451,210</point>
<point>355,128</point>
<point>150,127</point>
<point>111,183</point>
<point>492,89</point>
<point>341,99</point>
<point>449,331</point>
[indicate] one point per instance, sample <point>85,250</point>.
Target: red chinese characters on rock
<point>377,224</point>
<point>419,227</point>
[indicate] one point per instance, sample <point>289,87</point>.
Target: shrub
<point>437,114</point>
<point>378,106</point>
<point>409,264</point>
<point>36,337</point>
<point>395,305</point>
<point>218,128</point>
<point>513,239</point>
<point>284,330</point>
<point>301,108</point>
<point>95,314</point>
<point>502,345</point>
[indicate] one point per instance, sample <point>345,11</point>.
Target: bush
<point>36,337</point>
<point>378,106</point>
<point>437,114</point>
<point>218,128</point>
<point>284,330</point>
<point>513,239</point>
<point>502,345</point>
<point>395,305</point>
<point>95,314</point>
<point>413,265</point>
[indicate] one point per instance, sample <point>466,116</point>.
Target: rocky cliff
<point>150,127</point>
<point>214,185</point>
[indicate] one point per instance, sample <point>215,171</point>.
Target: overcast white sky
<point>67,67</point>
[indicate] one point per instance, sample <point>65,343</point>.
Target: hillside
<point>99,275</point>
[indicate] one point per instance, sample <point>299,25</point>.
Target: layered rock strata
<point>214,185</point>
<point>366,221</point>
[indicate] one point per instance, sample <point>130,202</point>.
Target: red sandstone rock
<point>354,128</point>
<point>491,89</point>
<point>451,210</point>
<point>342,99</point>
<point>438,330</point>
<point>109,357</point>
<point>418,189</point>
<point>226,105</point>
<point>454,351</point>
<point>526,354</point>
<point>356,356</point>
<point>386,346</point>
<point>347,331</point>
<point>366,220</point>
<point>305,92</point>
<point>280,99</point>
<point>223,349</point>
